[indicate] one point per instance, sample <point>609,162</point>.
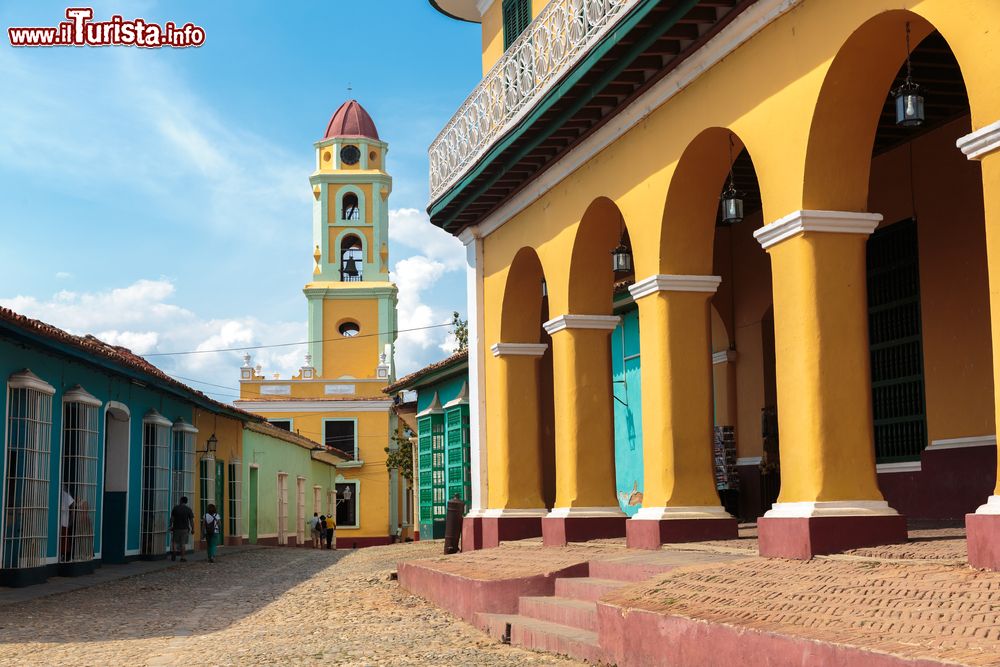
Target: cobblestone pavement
<point>266,606</point>
<point>920,610</point>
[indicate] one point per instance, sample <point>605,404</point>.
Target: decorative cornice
<point>335,406</point>
<point>837,222</point>
<point>679,513</point>
<point>27,380</point>
<point>674,283</point>
<point>80,395</point>
<point>154,417</point>
<point>182,426</point>
<point>723,357</point>
<point>977,145</point>
<point>468,235</point>
<point>601,322</point>
<point>518,349</point>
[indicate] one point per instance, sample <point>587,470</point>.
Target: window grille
<point>182,482</point>
<point>235,497</point>
<point>26,482</point>
<point>282,508</point>
<point>516,17</point>
<point>78,495</point>
<point>155,484</point>
<point>347,510</point>
<point>300,510</point>
<point>896,340</point>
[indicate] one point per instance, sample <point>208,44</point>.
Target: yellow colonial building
<point>730,259</point>
<point>336,398</point>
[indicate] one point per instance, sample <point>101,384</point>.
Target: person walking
<point>321,526</point>
<point>181,527</point>
<point>210,529</point>
<point>317,537</point>
<point>331,532</point>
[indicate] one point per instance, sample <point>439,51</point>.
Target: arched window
<point>350,207</point>
<point>351,259</point>
<point>78,491</point>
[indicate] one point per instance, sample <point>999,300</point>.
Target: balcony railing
<point>545,51</point>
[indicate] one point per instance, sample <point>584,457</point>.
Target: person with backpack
<point>211,529</point>
<point>316,530</point>
<point>181,527</point>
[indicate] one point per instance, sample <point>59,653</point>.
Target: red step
<point>537,635</point>
<point>564,611</point>
<point>588,589</point>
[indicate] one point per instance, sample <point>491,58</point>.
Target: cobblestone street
<point>264,606</point>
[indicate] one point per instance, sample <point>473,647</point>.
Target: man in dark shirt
<point>181,527</point>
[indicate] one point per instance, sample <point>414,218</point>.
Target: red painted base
<point>803,538</point>
<point>983,540</point>
<point>644,534</point>
<point>472,533</point>
<point>559,531</point>
<point>505,529</point>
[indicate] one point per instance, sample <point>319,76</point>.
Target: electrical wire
<point>306,342</point>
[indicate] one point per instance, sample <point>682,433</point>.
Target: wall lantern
<point>211,445</point>
<point>909,101</point>
<point>347,495</point>
<point>732,202</point>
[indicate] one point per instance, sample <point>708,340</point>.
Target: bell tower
<point>352,304</point>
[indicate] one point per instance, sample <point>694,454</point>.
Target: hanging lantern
<point>621,257</point>
<point>909,101</point>
<point>732,206</point>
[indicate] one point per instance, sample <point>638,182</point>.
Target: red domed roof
<point>351,120</point>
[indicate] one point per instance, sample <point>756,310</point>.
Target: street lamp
<point>211,445</point>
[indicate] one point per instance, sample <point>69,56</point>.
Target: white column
<point>477,395</point>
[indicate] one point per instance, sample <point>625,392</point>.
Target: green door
<point>220,497</point>
<point>253,506</point>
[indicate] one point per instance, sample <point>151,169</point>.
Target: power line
<point>307,342</point>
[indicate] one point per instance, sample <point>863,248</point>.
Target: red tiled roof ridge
<point>115,353</point>
<point>426,370</point>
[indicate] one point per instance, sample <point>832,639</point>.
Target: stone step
<point>537,635</point>
<point>631,571</point>
<point>565,611</point>
<point>588,589</point>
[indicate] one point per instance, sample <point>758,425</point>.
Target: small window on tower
<point>351,259</point>
<point>350,208</point>
<point>349,329</point>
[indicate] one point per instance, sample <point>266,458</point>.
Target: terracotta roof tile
<point>461,355</point>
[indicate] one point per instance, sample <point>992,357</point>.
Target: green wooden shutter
<point>516,17</point>
<point>457,459</point>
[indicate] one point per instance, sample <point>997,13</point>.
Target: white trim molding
<point>674,283</point>
<point>898,466</point>
<point>743,27</point>
<point>709,512</point>
<point>518,349</point>
<point>264,407</point>
<point>599,322</point>
<point>80,395</point>
<point>962,443</point>
<point>801,510</point>
<point>748,461</point>
<point>27,380</point>
<point>836,222</point>
<point>991,507</point>
<point>723,357</point>
<point>586,513</point>
<point>514,513</point>
<point>977,145</point>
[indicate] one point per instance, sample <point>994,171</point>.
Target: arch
<point>692,203</point>
<point>358,197</point>
<point>521,309</point>
<point>351,245</point>
<point>590,277</point>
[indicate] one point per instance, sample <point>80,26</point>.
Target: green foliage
<point>400,457</point>
<point>460,328</point>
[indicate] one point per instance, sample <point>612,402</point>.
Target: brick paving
<point>265,606</point>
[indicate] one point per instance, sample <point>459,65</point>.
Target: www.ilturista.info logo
<point>80,30</point>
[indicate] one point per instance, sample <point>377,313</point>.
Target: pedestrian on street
<point>321,527</point>
<point>211,529</point>
<point>317,537</point>
<point>181,527</point>
<point>331,532</point>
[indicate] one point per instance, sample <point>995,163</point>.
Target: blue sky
<point>160,198</point>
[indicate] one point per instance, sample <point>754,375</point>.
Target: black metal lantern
<point>621,257</point>
<point>731,201</point>
<point>211,445</point>
<point>909,100</point>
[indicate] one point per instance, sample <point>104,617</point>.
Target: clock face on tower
<point>350,154</point>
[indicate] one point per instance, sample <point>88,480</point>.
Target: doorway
<point>114,522</point>
<point>252,509</point>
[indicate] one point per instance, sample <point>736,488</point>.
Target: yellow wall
<point>357,357</point>
<point>229,433</point>
<point>492,28</point>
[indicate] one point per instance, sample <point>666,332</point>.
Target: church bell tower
<point>352,304</point>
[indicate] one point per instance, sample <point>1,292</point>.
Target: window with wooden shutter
<point>516,17</point>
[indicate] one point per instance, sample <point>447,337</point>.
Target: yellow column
<point>983,527</point>
<point>515,458</point>
<point>678,475</point>
<point>584,427</point>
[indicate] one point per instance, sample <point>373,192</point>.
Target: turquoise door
<point>252,507</point>
<point>625,367</point>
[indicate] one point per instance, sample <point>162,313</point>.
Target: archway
<point>114,518</point>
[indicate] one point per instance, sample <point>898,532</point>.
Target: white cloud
<point>141,318</point>
<point>413,229</point>
<point>63,275</point>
